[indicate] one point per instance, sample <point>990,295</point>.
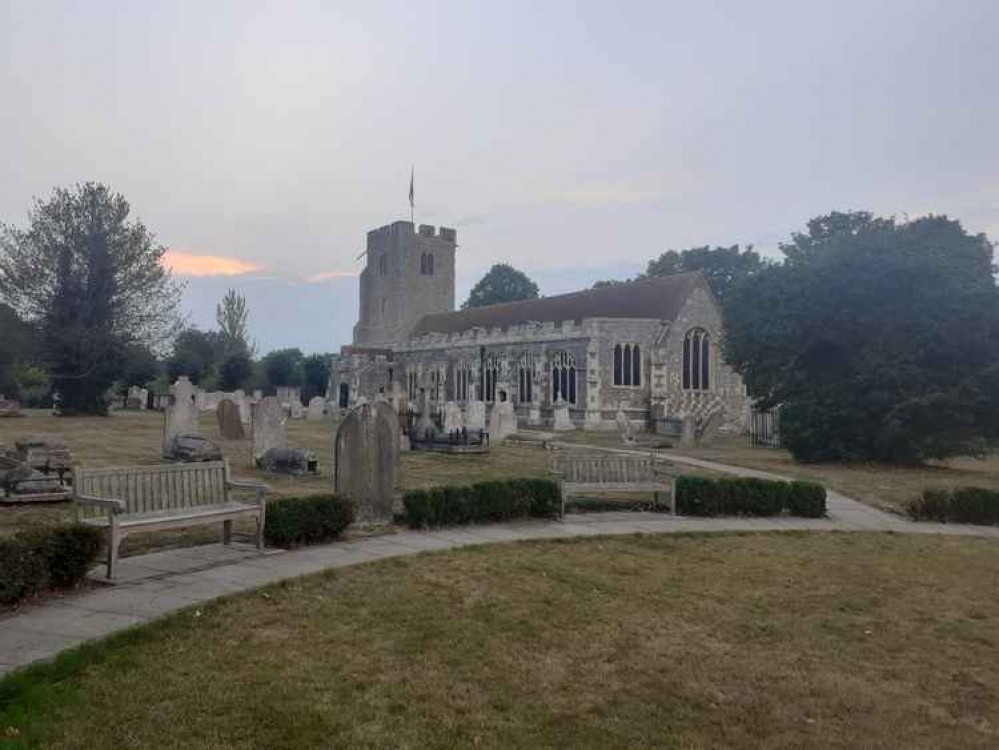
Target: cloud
<point>194,264</point>
<point>327,275</point>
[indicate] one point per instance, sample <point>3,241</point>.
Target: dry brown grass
<point>776,641</point>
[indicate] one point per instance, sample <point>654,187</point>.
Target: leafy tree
<point>94,282</point>
<point>16,346</point>
<point>138,365</point>
<point>603,283</point>
<point>723,267</point>
<point>235,370</point>
<point>194,355</point>
<point>502,283</point>
<point>283,367</point>
<point>233,315</point>
<point>315,375</point>
<point>879,339</point>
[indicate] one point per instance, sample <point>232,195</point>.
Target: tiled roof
<point>658,298</point>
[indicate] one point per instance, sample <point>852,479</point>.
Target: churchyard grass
<point>881,485</point>
<point>781,640</point>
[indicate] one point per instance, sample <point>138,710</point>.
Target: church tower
<point>407,274</point>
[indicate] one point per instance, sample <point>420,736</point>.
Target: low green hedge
<point>49,557</point>
<point>483,502</point>
<point>962,505</point>
<point>699,496</point>
<point>295,521</point>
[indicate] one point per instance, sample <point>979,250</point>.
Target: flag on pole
<point>411,174</point>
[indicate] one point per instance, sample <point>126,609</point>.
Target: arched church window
<point>627,364</point>
<point>423,264</point>
<point>461,381</point>
<point>489,377</point>
<point>697,360</point>
<point>564,377</point>
<point>525,379</point>
<point>636,366</point>
<point>618,370</point>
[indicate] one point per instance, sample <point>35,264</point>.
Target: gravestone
<point>230,424</point>
<point>452,417</point>
<point>268,426</point>
<point>688,432</point>
<point>133,401</point>
<point>43,452</point>
<point>534,415</point>
<point>9,407</point>
<point>560,414</point>
<point>502,421</point>
<point>296,461</point>
<point>365,456</point>
<point>625,428</point>
<point>192,448</point>
<point>317,409</point>
<point>295,410</point>
<point>426,421</point>
<point>181,416</point>
<point>475,419</point>
<point>243,404</point>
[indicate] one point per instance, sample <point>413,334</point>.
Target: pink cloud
<point>194,264</point>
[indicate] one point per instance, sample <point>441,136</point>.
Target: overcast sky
<point>575,140</point>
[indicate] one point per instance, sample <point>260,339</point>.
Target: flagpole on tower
<point>412,173</point>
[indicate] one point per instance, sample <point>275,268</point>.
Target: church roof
<point>657,298</point>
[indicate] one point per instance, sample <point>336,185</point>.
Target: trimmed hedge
<point>962,505</point>
<point>49,557</point>
<point>699,496</point>
<point>483,502</point>
<point>296,521</point>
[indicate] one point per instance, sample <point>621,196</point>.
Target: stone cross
<point>268,426</point>
<point>230,424</point>
<point>181,416</point>
<point>365,456</point>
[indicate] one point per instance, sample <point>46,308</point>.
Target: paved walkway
<point>165,581</point>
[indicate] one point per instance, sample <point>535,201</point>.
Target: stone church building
<point>647,347</point>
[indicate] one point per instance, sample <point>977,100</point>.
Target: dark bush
<point>483,502</point>
<point>35,560</point>
<point>699,496</point>
<point>295,521</point>
<point>963,505</point>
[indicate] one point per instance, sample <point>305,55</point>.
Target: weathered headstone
<point>268,426</point>
<point>534,415</point>
<point>475,418</point>
<point>317,408</point>
<point>181,416</point>
<point>625,428</point>
<point>453,420</point>
<point>289,461</point>
<point>561,419</point>
<point>192,448</point>
<point>502,421</point>
<point>365,455</point>
<point>295,410</point>
<point>426,421</point>
<point>242,402</point>
<point>9,407</point>
<point>688,432</point>
<point>230,424</point>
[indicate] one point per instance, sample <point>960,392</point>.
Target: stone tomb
<point>230,423</point>
<point>317,409</point>
<point>268,426</point>
<point>453,420</point>
<point>475,419</point>
<point>365,457</point>
<point>561,420</point>
<point>502,421</point>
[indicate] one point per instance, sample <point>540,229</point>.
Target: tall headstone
<point>365,456</point>
<point>426,421</point>
<point>181,416</point>
<point>475,418</point>
<point>625,428</point>
<point>244,405</point>
<point>688,432</point>
<point>453,420</point>
<point>561,420</point>
<point>268,426</point>
<point>502,421</point>
<point>317,408</point>
<point>230,424</point>
<point>534,415</point>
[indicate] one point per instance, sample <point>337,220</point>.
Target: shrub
<point>962,505</point>
<point>483,502</point>
<point>292,522</point>
<point>699,496</point>
<point>49,557</point>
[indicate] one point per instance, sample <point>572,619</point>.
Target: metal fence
<point>764,428</point>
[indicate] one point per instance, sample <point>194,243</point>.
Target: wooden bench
<point>151,498</point>
<point>580,475</point>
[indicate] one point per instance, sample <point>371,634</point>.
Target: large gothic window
<point>525,379</point>
<point>412,385</point>
<point>427,264</point>
<point>461,381</point>
<point>627,364</point>
<point>564,377</point>
<point>697,360</point>
<point>489,377</point>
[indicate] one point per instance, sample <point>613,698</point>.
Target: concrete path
<point>165,581</point>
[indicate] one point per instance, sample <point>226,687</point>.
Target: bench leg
<point>227,532</point>
<point>260,531</point>
<point>113,541</point>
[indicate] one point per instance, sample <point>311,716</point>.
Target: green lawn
<point>698,641</point>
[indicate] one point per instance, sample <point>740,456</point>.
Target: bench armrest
<point>259,488</point>
<point>115,506</point>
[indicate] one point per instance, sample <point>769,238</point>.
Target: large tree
<point>283,367</point>
<point>16,348</point>
<point>879,339</point>
<point>723,267</point>
<point>502,283</point>
<point>94,282</point>
<point>315,375</point>
<point>232,316</point>
<point>196,354</point>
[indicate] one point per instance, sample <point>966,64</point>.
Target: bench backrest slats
<point>146,489</point>
<point>605,470</point>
